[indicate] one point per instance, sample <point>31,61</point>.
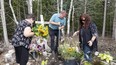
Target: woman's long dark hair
<point>87,21</point>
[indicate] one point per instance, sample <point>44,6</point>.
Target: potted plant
<point>70,53</point>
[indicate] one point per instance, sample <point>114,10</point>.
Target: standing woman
<point>87,36</point>
<point>22,38</point>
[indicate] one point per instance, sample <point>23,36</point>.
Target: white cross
<point>42,21</point>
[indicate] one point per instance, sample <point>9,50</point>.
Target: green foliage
<point>98,63</point>
<point>40,30</point>
<point>68,52</point>
<point>105,56</point>
<point>86,63</point>
<point>94,7</point>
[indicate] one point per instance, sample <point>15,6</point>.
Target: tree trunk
<point>24,9</point>
<point>29,2</point>
<point>73,20</point>
<point>114,24</point>
<point>19,11</point>
<point>104,21</point>
<point>40,7</point>
<point>61,8</point>
<point>15,20</point>
<point>69,14</point>
<point>58,6</point>
<point>4,23</point>
<point>85,10</point>
<point>61,5</point>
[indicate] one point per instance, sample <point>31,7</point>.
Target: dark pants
<point>54,42</point>
<point>22,55</point>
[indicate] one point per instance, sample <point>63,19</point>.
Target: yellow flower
<point>40,27</point>
<point>44,62</point>
<point>45,34</point>
<point>70,49</point>
<point>46,31</point>
<point>41,31</point>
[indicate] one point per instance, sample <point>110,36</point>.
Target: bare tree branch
<point>15,20</point>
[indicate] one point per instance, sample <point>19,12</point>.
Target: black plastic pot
<point>70,62</point>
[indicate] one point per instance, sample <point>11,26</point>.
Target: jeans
<point>87,53</point>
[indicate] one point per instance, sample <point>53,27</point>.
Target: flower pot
<point>70,62</point>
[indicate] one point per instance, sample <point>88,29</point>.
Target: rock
<point>7,64</point>
<point>29,63</point>
<point>9,55</point>
<point>113,63</point>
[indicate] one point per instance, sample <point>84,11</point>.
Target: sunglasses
<point>82,20</point>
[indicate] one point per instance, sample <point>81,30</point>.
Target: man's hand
<point>60,28</point>
<point>58,23</point>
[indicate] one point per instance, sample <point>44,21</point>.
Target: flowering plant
<point>105,57</point>
<point>100,59</point>
<point>40,30</point>
<point>69,52</point>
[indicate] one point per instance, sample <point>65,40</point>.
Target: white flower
<point>44,53</point>
<point>96,53</point>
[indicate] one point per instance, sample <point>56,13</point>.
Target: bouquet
<point>40,30</point>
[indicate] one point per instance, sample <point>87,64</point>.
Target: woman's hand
<point>90,43</point>
<point>92,40</point>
